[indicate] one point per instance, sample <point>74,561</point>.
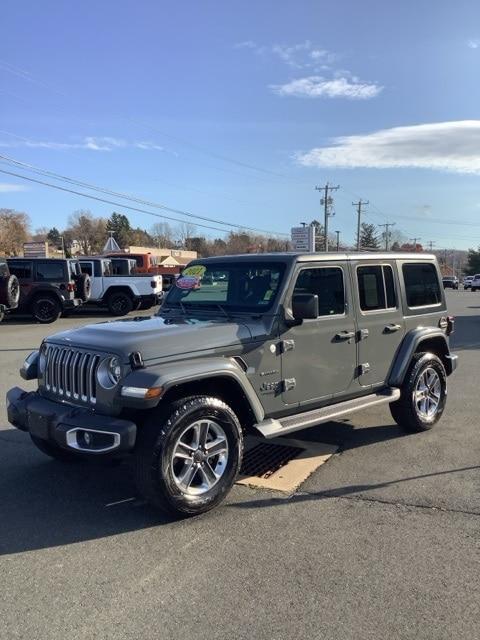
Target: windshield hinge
<point>287,345</point>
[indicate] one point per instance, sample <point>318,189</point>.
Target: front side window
<point>376,287</point>
<point>421,284</point>
<point>327,284</point>
<point>248,286</point>
<point>50,271</point>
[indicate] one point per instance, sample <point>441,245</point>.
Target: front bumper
<point>69,427</point>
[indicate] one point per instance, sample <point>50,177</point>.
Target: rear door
<point>381,325</point>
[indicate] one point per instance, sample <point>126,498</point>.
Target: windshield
<point>251,286</point>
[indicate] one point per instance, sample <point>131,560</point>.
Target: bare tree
<point>163,234</point>
<point>89,232</point>
<point>14,231</point>
<point>184,231</point>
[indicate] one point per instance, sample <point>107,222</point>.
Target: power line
<point>74,181</point>
<point>115,204</point>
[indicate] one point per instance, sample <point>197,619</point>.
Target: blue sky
<point>236,110</point>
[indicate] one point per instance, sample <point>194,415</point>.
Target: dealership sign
<point>303,239</point>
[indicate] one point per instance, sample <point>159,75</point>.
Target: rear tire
<point>175,465</point>
<point>54,451</point>
<point>423,394</point>
<point>119,303</point>
<point>45,309</point>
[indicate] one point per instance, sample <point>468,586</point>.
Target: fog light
<point>87,438</point>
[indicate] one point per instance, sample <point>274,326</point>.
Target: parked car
<point>467,282</point>
<point>49,286</point>
<point>450,282</point>
<point>120,294</point>
<point>281,343</point>
<point>9,289</point>
<point>475,284</point>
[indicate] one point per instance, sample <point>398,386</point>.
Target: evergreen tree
<point>473,262</point>
<point>119,224</point>
<point>369,240</point>
<point>54,237</point>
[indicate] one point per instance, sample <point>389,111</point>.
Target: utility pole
<point>338,240</point>
<point>326,201</point>
<point>359,206</point>
<point>415,240</point>
<point>387,232</point>
<point>430,244</point>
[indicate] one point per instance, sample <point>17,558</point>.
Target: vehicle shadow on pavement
<point>346,491</point>
<point>346,435</point>
<point>46,503</point>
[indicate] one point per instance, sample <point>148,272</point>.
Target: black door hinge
<point>289,384</point>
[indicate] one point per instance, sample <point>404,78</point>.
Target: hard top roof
<point>291,256</point>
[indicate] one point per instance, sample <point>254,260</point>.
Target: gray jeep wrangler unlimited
<point>268,344</point>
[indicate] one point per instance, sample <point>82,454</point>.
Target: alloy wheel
<point>199,457</point>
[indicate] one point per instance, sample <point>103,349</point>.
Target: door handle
<point>345,335</point>
<point>391,328</point>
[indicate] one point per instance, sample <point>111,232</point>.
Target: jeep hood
<point>156,337</point>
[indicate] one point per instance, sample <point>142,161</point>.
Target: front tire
<point>188,455</point>
<point>423,394</point>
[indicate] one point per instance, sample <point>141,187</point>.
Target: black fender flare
<point>173,374</point>
<point>412,343</point>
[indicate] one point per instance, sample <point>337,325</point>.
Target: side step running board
<point>270,428</point>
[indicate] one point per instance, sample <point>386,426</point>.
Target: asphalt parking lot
<point>383,541</point>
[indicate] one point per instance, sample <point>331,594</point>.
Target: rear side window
<point>376,287</point>
<point>23,270</point>
<point>50,271</point>
<point>86,267</point>
<point>327,284</point>
<point>421,284</point>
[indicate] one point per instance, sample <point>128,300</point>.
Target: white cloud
<point>318,87</point>
<point>447,146</point>
<point>89,143</point>
<point>473,44</point>
<point>303,55</point>
<point>8,187</point>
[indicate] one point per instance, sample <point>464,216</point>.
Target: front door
<point>319,355</point>
<point>380,320</point>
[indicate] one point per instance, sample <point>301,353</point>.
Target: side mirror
<point>305,306</point>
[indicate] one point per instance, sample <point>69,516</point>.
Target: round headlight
<point>109,372</point>
<point>114,369</point>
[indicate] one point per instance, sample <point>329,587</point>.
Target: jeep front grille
<point>71,374</point>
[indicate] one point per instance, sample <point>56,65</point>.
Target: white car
<point>120,293</point>
<point>475,282</point>
<point>467,282</point>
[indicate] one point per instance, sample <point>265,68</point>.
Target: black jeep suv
<point>49,286</point>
